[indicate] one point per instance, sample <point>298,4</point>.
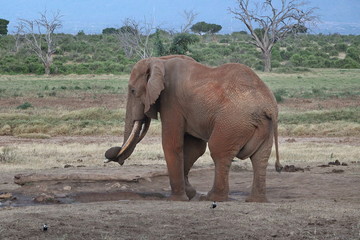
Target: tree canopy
<point>3,26</point>
<point>203,28</point>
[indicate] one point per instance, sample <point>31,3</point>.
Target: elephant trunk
<point>131,138</point>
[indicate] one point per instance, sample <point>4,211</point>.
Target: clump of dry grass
<point>326,129</point>
<point>34,135</point>
<point>50,155</point>
<point>7,155</point>
<point>315,152</point>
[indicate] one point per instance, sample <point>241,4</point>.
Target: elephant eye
<point>132,91</point>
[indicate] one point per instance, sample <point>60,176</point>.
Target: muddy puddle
<point>20,200</point>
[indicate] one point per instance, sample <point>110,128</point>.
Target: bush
<point>24,106</point>
<point>353,53</point>
<point>279,94</point>
<point>7,155</point>
<point>297,60</point>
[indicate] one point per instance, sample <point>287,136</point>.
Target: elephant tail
<point>278,165</point>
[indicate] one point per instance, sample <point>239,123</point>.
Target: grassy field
<point>319,102</point>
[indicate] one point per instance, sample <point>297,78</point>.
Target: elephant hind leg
<point>224,145</point>
<point>259,162</point>
<point>193,149</point>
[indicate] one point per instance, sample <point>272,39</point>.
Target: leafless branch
<point>134,38</point>
<point>274,23</point>
<point>189,20</point>
<point>38,34</point>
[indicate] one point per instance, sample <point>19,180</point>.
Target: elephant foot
<point>175,197</point>
<point>190,192</point>
<point>259,199</point>
<point>217,197</point>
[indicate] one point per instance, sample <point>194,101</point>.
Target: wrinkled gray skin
<point>227,108</point>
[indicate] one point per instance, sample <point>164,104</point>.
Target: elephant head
<point>145,85</point>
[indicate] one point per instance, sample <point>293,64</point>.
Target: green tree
<point>199,28</point>
<point>203,28</point>
<point>110,31</point>
<point>3,26</point>
<point>159,46</point>
<point>214,28</point>
<point>181,42</point>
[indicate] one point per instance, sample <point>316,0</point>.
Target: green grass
<point>351,115</point>
<point>30,121</point>
<point>89,121</point>
<point>61,86</point>
<point>318,83</point>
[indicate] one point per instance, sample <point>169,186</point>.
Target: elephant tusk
<point>107,161</point>
<point>135,130</point>
<point>144,129</point>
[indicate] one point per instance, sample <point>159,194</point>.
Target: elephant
<point>227,108</point>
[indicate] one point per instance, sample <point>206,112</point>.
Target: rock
<point>5,195</point>
<point>336,163</point>
<point>116,185</point>
<point>45,198</point>
<point>337,171</point>
<point>67,188</point>
<point>292,168</point>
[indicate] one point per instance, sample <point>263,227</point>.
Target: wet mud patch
<point>133,183</point>
<point>304,205</point>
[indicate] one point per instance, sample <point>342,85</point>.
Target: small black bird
<point>213,205</point>
<point>45,227</point>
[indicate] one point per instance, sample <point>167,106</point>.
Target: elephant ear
<point>154,87</point>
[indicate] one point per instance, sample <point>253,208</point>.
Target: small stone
<point>67,188</point>
<point>44,198</point>
<point>116,185</point>
<point>5,195</point>
<point>148,179</point>
<point>337,171</point>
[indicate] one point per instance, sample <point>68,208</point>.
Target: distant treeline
<point>102,54</point>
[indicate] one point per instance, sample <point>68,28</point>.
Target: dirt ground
<point>320,201</point>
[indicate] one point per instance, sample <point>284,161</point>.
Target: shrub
<point>24,106</point>
<point>297,60</point>
<point>279,94</point>
<point>7,155</point>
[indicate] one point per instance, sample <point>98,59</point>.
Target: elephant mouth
<point>138,132</point>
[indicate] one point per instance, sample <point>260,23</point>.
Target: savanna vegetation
<point>318,102</point>
<point>103,54</point>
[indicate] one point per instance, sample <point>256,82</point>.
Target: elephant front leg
<point>174,156</point>
<point>193,149</point>
<point>175,166</point>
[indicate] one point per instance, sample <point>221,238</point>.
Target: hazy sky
<point>92,16</point>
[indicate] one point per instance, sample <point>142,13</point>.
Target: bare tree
<point>268,24</point>
<point>134,38</point>
<point>18,38</point>
<point>38,35</point>
<point>189,17</point>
